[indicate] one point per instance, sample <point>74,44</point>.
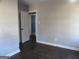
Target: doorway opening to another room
<point>32,27</point>
<point>33,24</point>
<point>32,18</point>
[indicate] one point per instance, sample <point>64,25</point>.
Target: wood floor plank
<point>41,51</point>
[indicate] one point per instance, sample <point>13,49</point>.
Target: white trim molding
<point>57,45</point>
<point>32,11</point>
<point>13,53</point>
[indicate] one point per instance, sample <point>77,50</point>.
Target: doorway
<point>32,27</point>
<point>27,28</point>
<point>33,24</point>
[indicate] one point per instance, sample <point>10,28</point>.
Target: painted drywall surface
<point>25,26</point>
<point>58,23</point>
<point>9,35</point>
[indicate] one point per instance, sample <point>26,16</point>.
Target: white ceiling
<point>55,1</point>
<point>34,1</point>
<point>38,1</point>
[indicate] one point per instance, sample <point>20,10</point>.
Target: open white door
<point>25,26</point>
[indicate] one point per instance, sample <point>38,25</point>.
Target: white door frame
<point>36,23</point>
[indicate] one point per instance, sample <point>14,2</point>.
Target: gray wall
<point>22,6</point>
<point>9,35</point>
<point>58,22</point>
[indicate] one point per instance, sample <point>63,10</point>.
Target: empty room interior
<point>39,29</point>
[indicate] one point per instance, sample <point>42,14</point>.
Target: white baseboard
<point>13,53</point>
<point>61,46</point>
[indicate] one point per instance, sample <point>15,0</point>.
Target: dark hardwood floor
<point>40,51</point>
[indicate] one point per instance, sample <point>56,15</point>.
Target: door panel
<point>24,26</point>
